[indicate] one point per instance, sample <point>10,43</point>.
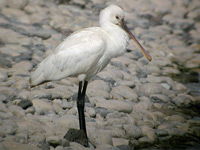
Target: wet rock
<point>74,135</point>
<point>161,133</point>
<point>25,104</point>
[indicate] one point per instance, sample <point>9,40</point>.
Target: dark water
<point>191,79</point>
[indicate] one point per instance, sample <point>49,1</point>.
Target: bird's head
<point>115,15</point>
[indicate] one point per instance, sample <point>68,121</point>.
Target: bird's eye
<point>117,17</point>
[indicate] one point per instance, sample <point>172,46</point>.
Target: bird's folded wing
<point>79,53</point>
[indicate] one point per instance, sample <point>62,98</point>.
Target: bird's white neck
<point>118,37</point>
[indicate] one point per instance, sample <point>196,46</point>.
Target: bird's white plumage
<point>85,52</point>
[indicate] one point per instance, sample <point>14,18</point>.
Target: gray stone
<point>3,98</point>
<point>115,105</point>
<point>144,141</point>
<point>3,107</point>
<point>144,104</point>
<point>182,101</point>
<point>160,97</point>
<point>161,133</point>
<point>42,106</point>
<point>16,110</point>
<point>3,74</point>
<point>25,104</point>
<point>133,143</point>
<point>65,143</point>
<point>8,127</point>
<point>133,131</point>
<point>151,88</point>
<point>10,145</point>
<point>5,63</point>
<point>119,141</point>
<point>19,4</point>
<point>149,132</point>
<point>21,84</point>
<point>99,136</point>
<point>74,135</point>
<point>41,94</point>
<point>22,67</point>
<point>178,118</point>
<point>30,110</point>
<point>53,140</point>
<point>64,123</point>
<point>66,105</point>
<point>102,111</point>
<point>61,92</point>
<point>98,88</point>
<point>91,111</point>
<point>124,92</point>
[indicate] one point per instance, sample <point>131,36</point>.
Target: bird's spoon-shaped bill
<point>145,53</point>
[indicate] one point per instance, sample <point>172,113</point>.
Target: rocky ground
<point>132,104</point>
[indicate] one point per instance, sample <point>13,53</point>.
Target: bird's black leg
<point>81,105</point>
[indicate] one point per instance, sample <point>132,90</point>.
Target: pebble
<point>8,144</point>
<point>3,75</point>
<point>160,97</point>
<point>42,106</point>
<point>124,92</point>
<point>53,141</point>
<point>151,88</point>
<point>25,104</point>
<point>98,88</point>
<point>161,133</point>
<point>133,131</point>
<point>117,105</point>
<point>99,136</point>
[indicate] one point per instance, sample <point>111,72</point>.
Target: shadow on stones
<point>75,135</point>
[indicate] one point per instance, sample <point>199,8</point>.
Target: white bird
<point>86,52</point>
